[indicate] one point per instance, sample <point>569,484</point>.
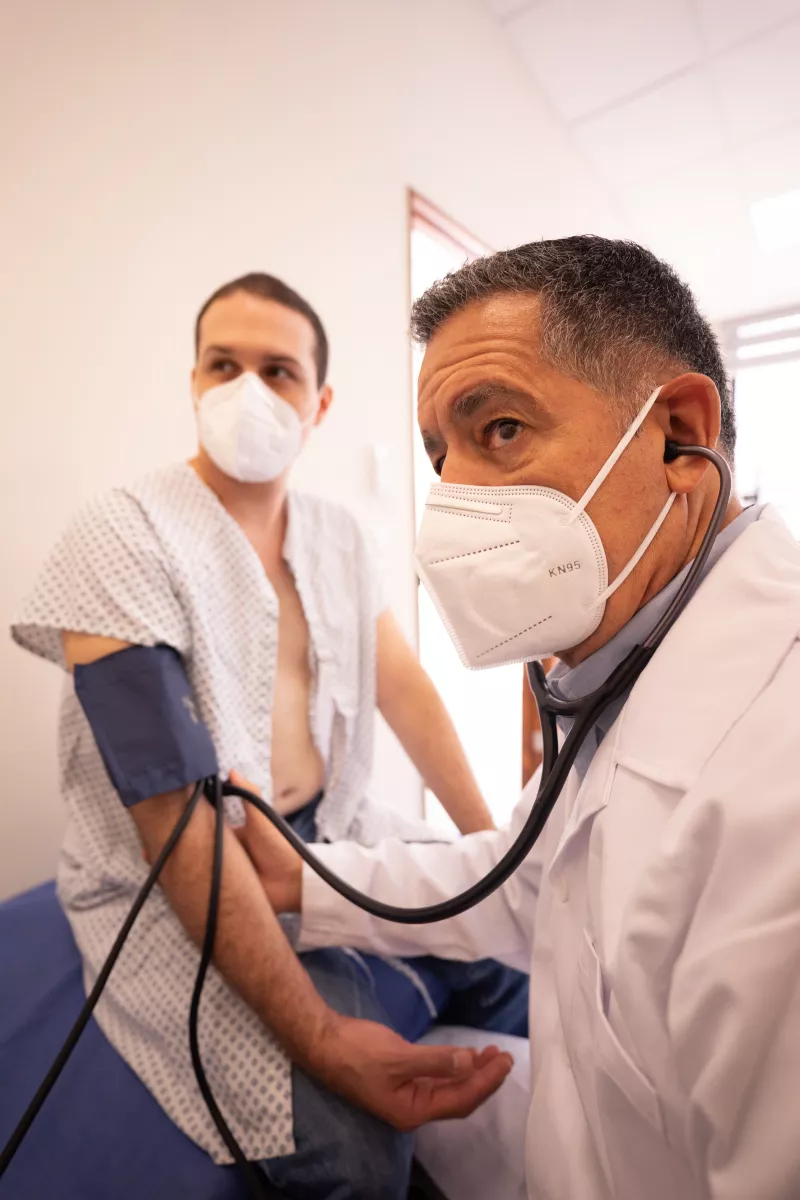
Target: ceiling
<point>689,111</point>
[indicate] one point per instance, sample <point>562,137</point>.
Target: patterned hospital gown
<point>163,562</point>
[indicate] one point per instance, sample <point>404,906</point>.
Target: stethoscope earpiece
<point>672,451</point>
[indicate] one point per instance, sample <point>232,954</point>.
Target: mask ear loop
<point>600,478</point>
<point>613,459</point>
<point>625,572</point>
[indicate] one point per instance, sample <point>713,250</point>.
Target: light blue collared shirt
<point>572,682</point>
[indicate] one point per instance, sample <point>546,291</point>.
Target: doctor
<point>659,913</point>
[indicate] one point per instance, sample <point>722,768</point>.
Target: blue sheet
<point>100,1135</point>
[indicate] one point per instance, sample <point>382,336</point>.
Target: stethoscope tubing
<point>556,766</point>
<point>556,763</point>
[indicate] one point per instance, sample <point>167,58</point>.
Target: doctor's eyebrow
<point>470,402</point>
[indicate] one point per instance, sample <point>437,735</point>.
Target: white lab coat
<point>659,914</point>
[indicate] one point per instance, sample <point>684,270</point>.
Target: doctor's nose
<point>465,466</point>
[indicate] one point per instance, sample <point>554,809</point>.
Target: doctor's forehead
<point>493,342</point>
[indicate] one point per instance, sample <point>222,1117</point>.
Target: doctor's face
<point>493,414</point>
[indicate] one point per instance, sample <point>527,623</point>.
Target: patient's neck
<point>258,508</point>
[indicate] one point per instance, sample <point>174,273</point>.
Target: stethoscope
<point>556,765</point>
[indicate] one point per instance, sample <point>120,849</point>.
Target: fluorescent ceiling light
<point>755,329</point>
<point>777,221</point>
<point>789,345</point>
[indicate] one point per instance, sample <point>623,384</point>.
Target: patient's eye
<point>225,367</point>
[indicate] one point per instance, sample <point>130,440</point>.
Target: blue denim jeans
<point>343,1153</point>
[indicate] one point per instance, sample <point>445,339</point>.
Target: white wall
<point>155,149</point>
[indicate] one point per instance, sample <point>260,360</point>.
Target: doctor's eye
<point>501,432</point>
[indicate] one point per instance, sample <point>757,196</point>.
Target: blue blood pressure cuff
<point>140,708</point>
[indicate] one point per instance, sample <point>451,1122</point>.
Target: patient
<point>271,599</point>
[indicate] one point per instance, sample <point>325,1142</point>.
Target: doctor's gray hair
<point>612,315</point>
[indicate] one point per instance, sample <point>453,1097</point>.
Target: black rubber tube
<point>31,1112</point>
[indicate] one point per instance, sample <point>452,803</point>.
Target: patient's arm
<point>367,1063</point>
<point>252,952</point>
<point>414,710</point>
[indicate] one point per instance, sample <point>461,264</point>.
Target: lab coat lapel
<point>581,798</point>
<point>717,657</point>
<point>715,660</point>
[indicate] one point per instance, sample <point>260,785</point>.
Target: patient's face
<point>242,333</point>
<point>493,414</point>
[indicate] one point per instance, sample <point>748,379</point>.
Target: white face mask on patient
<point>519,573</point>
<point>247,430</point>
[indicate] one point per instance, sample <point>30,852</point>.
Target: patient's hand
<point>403,1084</point>
<point>279,867</point>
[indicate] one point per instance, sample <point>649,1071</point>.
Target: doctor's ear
<point>689,413</point>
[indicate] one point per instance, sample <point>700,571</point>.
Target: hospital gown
<point>163,562</point>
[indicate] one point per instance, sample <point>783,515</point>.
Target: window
<point>485,705</point>
<point>763,355</point>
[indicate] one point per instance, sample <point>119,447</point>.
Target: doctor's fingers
<point>239,781</point>
<point>265,844</point>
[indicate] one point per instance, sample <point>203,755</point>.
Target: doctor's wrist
<point>284,893</point>
<point>293,890</point>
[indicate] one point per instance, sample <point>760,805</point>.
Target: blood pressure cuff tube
<point>140,708</point>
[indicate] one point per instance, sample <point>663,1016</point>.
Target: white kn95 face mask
<point>519,573</point>
<point>247,430</point>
